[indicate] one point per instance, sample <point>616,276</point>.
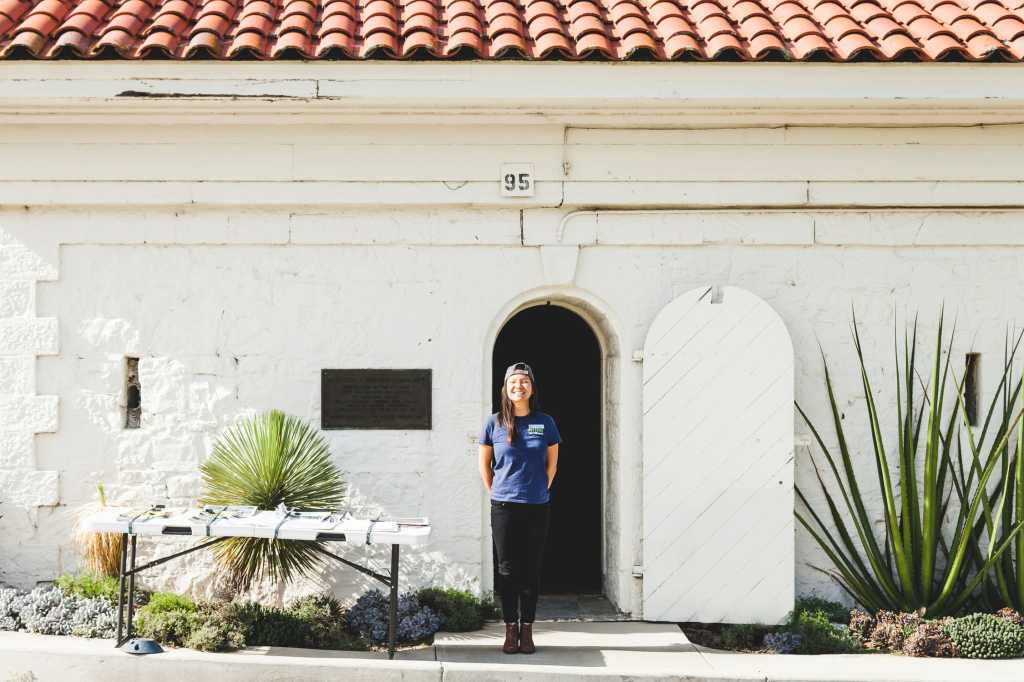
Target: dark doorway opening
<point>566,359</point>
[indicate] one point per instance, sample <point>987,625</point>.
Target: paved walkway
<point>569,651</point>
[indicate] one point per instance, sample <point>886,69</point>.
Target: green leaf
<point>265,461</point>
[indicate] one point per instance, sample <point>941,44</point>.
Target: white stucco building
<point>238,229</point>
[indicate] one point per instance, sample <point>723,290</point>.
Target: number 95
<point>514,182</point>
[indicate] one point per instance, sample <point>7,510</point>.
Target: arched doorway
<point>566,358</point>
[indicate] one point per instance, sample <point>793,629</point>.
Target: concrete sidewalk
<point>573,651</point>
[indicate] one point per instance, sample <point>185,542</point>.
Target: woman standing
<point>518,458</point>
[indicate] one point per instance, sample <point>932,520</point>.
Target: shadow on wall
<point>159,463</point>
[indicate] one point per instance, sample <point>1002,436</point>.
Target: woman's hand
<point>486,472</point>
<point>552,463</point>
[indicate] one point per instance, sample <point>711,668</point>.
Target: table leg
<point>120,590</point>
<point>393,610</point>
<point>131,589</point>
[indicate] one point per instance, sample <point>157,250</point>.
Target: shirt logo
<point>535,430</point>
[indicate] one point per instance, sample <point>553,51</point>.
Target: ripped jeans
<point>520,531</point>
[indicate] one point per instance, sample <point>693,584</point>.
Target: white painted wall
<point>297,247</point>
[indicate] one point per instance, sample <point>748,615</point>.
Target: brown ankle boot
<point>511,645</point>
<point>526,645</point>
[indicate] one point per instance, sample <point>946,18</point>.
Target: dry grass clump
<point>101,552</point>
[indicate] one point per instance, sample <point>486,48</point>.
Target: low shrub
<point>782,642</point>
<point>51,611</point>
<point>459,610</point>
<point>818,635</point>
<point>168,618</point>
<point>490,609</point>
<point>368,618</point>
<point>325,621</point>
<point>314,622</point>
<point>836,612</point>
<point>89,584</point>
<point>211,634</point>
<point>265,625</point>
<point>983,635</point>
<point>168,601</point>
<point>930,639</point>
<point>171,628</point>
<point>742,636</point>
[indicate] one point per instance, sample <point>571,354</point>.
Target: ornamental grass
<point>101,552</point>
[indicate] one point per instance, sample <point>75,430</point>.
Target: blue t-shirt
<point>520,469</point>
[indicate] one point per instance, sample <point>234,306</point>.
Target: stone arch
<point>599,317</point>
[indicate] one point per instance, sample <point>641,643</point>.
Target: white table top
<point>263,524</point>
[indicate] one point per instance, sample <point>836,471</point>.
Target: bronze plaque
<point>375,399</point>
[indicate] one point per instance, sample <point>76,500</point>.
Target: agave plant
<point>267,460</point>
<point>904,571</point>
<point>1003,508</point>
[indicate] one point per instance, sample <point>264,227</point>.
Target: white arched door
<point>718,461</point>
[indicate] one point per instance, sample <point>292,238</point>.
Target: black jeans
<point>520,531</point>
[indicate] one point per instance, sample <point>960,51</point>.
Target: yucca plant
<point>267,460</point>
<point>904,571</point>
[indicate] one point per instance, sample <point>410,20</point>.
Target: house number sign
<point>385,399</point>
<point>516,180</point>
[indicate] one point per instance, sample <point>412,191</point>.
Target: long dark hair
<point>507,413</point>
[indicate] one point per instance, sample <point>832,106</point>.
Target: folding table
<point>220,523</point>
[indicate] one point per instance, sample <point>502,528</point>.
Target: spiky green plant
<point>903,572</point>
<point>267,460</point>
<point>1003,509</point>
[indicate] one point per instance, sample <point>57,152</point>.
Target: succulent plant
<point>782,642</point>
<point>51,611</point>
<point>983,635</point>
<point>930,639</point>
<point>862,624</point>
<point>94,617</point>
<point>368,618</point>
<point>1011,615</point>
<point>8,612</point>
<point>892,629</point>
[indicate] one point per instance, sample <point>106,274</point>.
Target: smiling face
<point>519,387</point>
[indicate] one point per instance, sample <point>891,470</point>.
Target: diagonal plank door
<point>718,529</point>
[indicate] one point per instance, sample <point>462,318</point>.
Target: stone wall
<point>236,283</point>
<point>29,490</point>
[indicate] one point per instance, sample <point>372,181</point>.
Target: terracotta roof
<point>804,30</point>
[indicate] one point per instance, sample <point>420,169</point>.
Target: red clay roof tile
<point>520,29</point>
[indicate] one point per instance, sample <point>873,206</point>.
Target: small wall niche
<point>132,394</point>
<point>972,391</point>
